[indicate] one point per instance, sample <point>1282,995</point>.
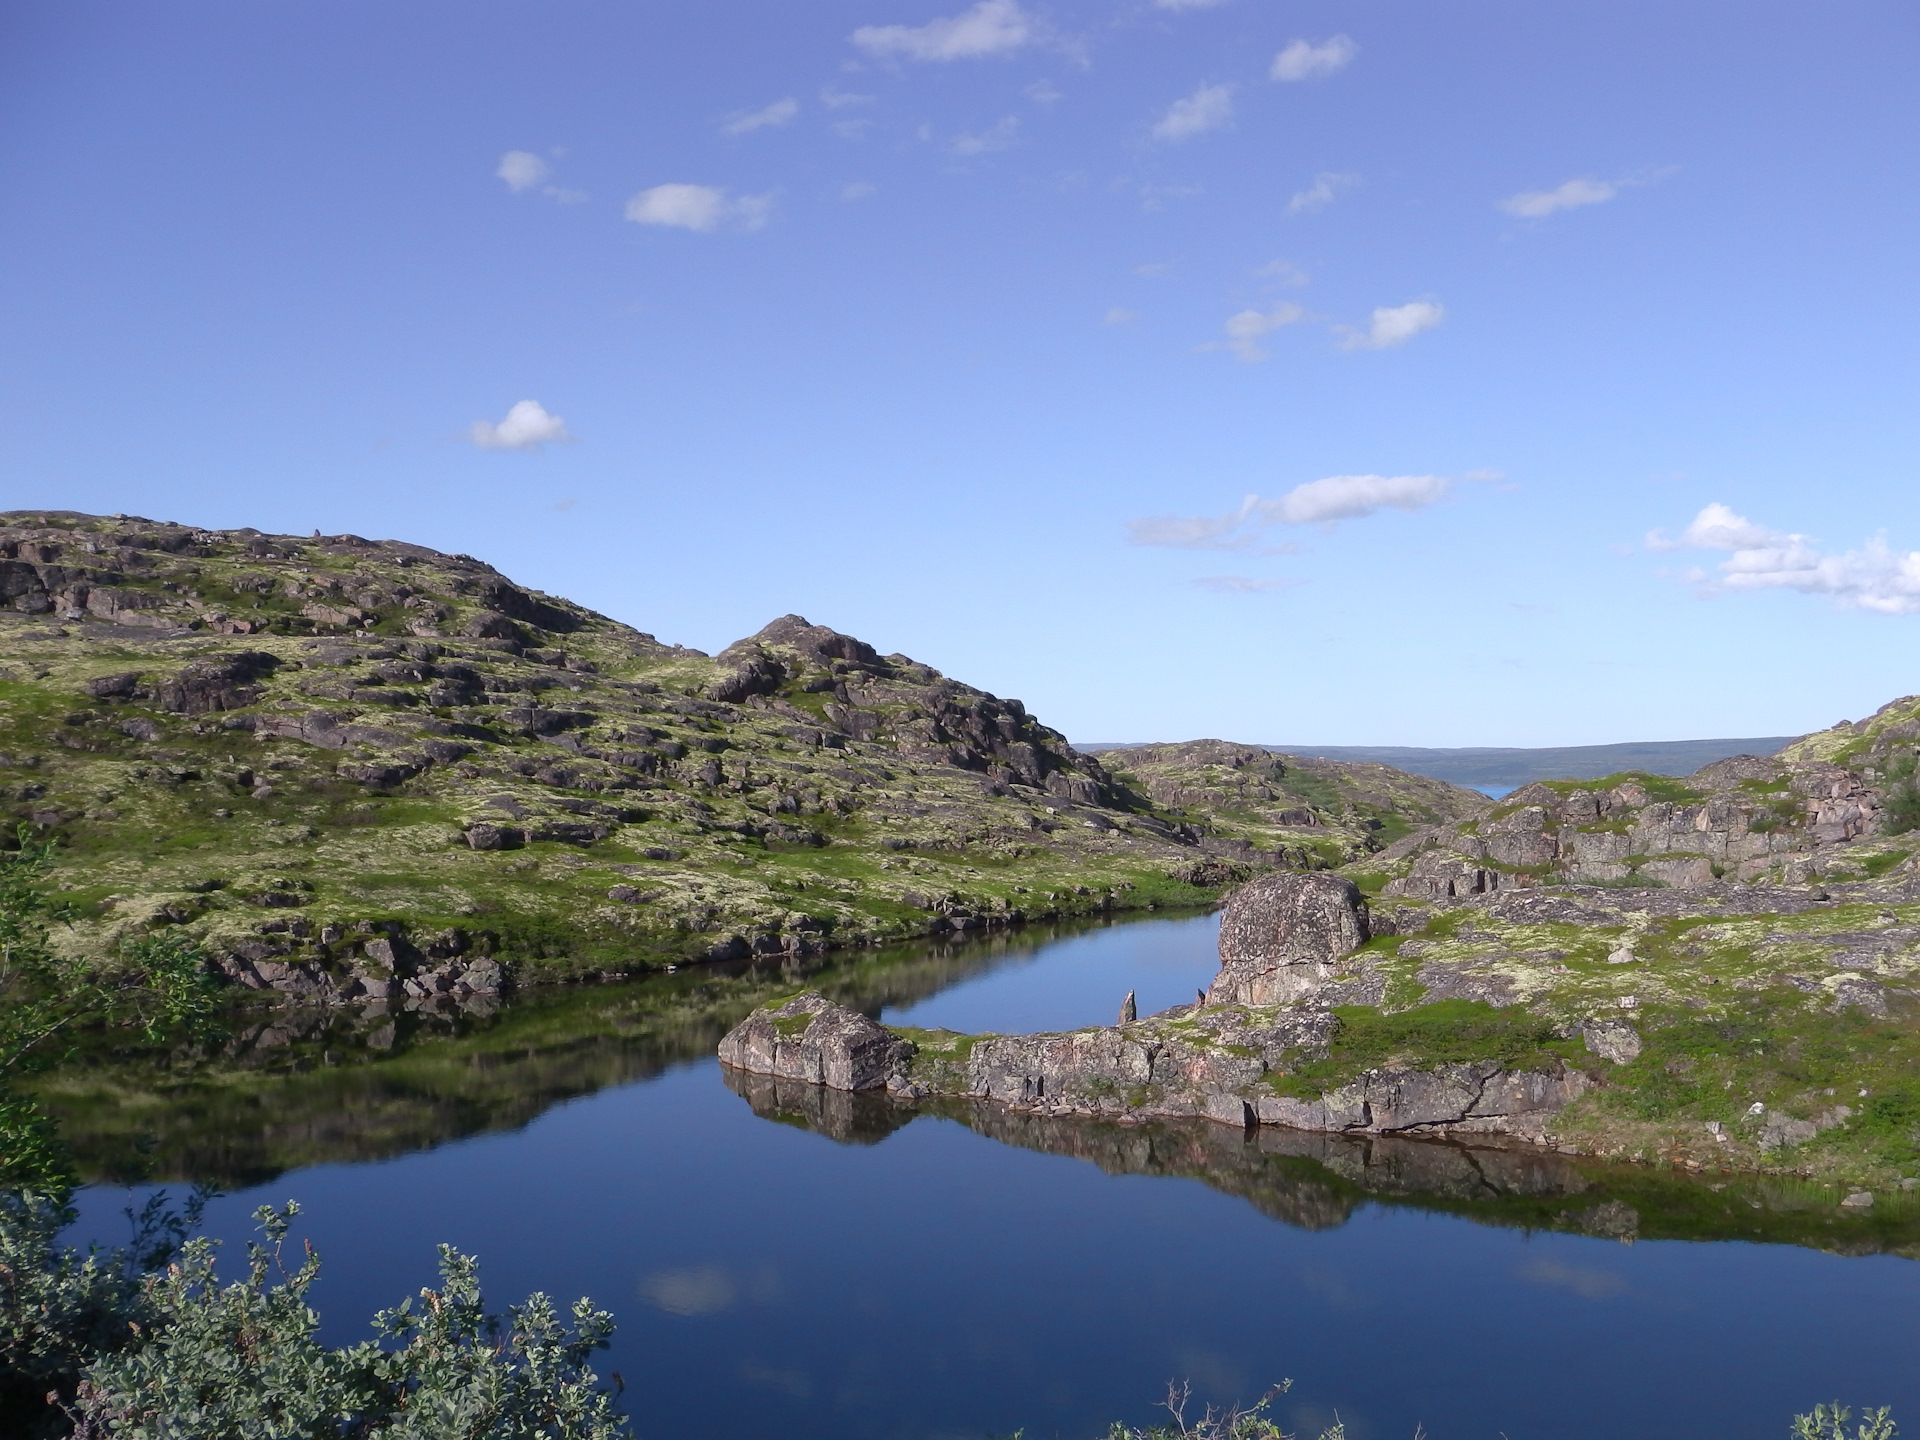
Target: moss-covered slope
<point>350,765</point>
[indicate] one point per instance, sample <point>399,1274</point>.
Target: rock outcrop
<point>1748,818</point>
<point>1227,1059</point>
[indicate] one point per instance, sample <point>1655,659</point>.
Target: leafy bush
<point>1830,1423</point>
<point>172,1354</point>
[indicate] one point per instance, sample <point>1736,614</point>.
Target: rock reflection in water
<point>1317,1181</point>
<point>314,1084</point>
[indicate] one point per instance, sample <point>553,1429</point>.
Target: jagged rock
<point>812,1039</point>
<point>1129,1010</point>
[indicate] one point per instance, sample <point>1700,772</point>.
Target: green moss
<point>1658,787</point>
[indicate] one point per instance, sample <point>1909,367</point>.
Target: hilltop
<point>370,769</point>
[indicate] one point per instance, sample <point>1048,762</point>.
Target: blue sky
<point>1300,372</point>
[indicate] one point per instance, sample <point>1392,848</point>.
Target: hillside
<point>371,769</point>
<point>1315,812</point>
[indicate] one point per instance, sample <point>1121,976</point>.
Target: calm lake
<point>805,1265</point>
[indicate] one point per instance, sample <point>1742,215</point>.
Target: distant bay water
<point>1498,769</point>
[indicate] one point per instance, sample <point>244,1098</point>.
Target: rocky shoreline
<point>1228,1057</point>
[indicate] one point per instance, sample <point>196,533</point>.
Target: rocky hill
<point>369,769</point>
<point>1311,813</point>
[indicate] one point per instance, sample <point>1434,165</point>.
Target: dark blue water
<point>770,1281</point>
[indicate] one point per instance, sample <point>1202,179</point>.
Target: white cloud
<point>1242,584</point>
<point>999,136</point>
<point>1393,325</point>
<point>1349,497</point>
<point>839,99</point>
<point>1317,502</point>
<point>1303,60</point>
<point>1117,316</point>
<point>1043,92</point>
<point>1187,4</point>
<point>527,426</point>
<point>858,190</point>
<point>776,114</point>
<point>993,27</point>
<point>1321,193</point>
<point>1874,577</point>
<point>1208,108</point>
<point>698,207</point>
<point>1245,329</point>
<point>1538,204</point>
<point>522,170</point>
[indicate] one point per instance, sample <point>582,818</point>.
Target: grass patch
<point>1447,1032</point>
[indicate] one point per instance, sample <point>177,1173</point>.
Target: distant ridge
<point>1498,767</point>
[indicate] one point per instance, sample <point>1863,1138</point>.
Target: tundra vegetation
<point>367,770</point>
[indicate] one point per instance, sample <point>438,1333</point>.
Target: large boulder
<point>811,1038</point>
<point>1281,936</point>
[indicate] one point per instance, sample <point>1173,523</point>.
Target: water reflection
<point>1319,1181</point>
<point>303,1086</point>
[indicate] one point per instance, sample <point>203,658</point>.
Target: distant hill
<point>1497,767</point>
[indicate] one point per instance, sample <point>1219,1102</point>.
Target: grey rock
<point>1281,934</point>
<point>1614,1040</point>
<point>1129,1010</point>
<point>811,1038</point>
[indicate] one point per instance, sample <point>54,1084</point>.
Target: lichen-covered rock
<point>812,1039</point>
<point>1281,935</point>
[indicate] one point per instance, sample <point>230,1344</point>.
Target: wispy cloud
<point>1281,272</point>
<point>1874,577</point>
<point>859,190</point>
<point>527,426</point>
<point>1243,584</point>
<point>1245,329</point>
<point>1324,190</point>
<point>1001,135</point>
<point>1350,497</point>
<point>523,171</point>
<point>1538,204</point>
<point>1044,92</point>
<point>1392,325</point>
<point>1208,108</point>
<point>1587,1283</point>
<point>773,116</point>
<point>839,99</point>
<point>1186,4</point>
<point>1117,316</point>
<point>1317,502</point>
<point>698,207</point>
<point>1304,60</point>
<point>993,27</point>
